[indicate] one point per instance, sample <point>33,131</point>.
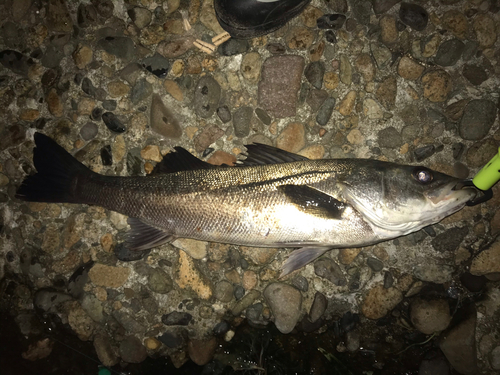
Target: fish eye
<point>422,175</point>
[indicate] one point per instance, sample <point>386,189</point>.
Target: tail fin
<point>56,177</point>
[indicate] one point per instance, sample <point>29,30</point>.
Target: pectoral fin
<point>313,201</point>
<point>143,236</point>
<point>299,258</point>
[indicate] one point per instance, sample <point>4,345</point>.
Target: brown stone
<point>54,103</point>
<point>221,157</point>
<point>379,301</point>
<point>108,276</point>
<point>437,85</point>
<point>409,69</point>
<point>173,89</point>
<point>292,138</point>
<point>387,91</point>
<point>299,38</point>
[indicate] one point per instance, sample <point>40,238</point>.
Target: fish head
<point>397,199</point>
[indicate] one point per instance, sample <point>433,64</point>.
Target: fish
<point>273,198</point>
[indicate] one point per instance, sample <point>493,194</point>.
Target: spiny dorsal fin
<point>313,201</point>
<point>260,154</point>
<point>180,160</point>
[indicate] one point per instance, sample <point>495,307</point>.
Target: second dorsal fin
<point>260,154</point>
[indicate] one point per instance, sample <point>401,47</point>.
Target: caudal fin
<point>57,174</point>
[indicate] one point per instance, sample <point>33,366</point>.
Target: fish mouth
<point>481,196</point>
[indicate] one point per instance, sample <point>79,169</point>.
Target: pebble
<point>239,292</point>
<point>347,104</point>
<point>187,276</point>
<point>485,29</point>
<point>108,276</point>
<point>318,307</point>
<point>251,66</point>
<point>389,32</point>
<point>488,261</point>
<point>317,51</point>
<point>450,239</point>
<point>263,116</point>
<point>224,291</point>
<point>173,89</point>
<point>54,103</point>
<point>379,301</point>
<point>113,122</point>
<point>414,16</point>
<point>140,91</point>
<point>202,351</point>
<point>175,47</point>
<point>474,74</point>
<point>449,52</point>
<point>409,69</point>
<point>331,21</point>
<point>456,22</point>
<point>331,80</point>
<point>80,322</point>
<point>372,109</point>
<point>480,153</point>
<point>207,136</point>
<point>132,350</point>
<point>82,56</point>
<point>431,45</point>
<point>242,119</point>
<point>365,66</point>
<point>316,98</point>
<point>390,138</point>
<point>280,82</point>
<point>459,345</point>
<point>345,70</point>
<point>175,338</point>
<point>233,47</point>
<point>106,157</point>
<point>382,6</point>
<point>434,273</point>
<point>386,92</point>
<point>159,281</point>
<point>477,120</point>
<point>437,85</point>
<point>299,38</point>
<point>163,121</point>
<point>224,113</point>
<point>206,96</point>
<point>106,352</point>
<point>430,316</point>
<point>381,54</point>
<point>119,46</point>
<point>245,301</point>
<point>140,16</point>
<point>375,264</point>
<point>285,302</point>
<point>195,249</point>
<point>314,73</point>
<point>176,318</point>
<point>156,64</point>
<point>325,111</point>
<point>292,138</point>
<point>330,37</point>
<point>328,269</point>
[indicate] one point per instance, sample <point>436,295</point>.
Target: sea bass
<point>273,198</point>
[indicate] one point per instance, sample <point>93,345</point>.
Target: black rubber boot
<point>246,19</point>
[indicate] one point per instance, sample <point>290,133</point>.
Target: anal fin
<point>299,258</point>
<point>143,236</point>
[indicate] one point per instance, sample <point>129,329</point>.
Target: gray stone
<point>316,98</point>
<point>241,121</point>
<point>131,72</point>
<point>176,318</point>
<point>423,153</point>
<point>141,90</point>
<point>233,47</point>
<point>16,62</point>
<point>375,264</point>
<point>175,338</point>
<point>52,57</point>
<point>449,52</point>
<point>459,345</point>
<point>113,122</point>
<point>328,269</point>
<point>477,120</point>
<point>474,74</point>
<point>105,350</point>
<point>206,96</point>
<point>450,239</point>
<point>253,312</point>
<point>413,15</point>
<point>119,46</point>
<point>361,10</point>
<point>224,291</point>
<point>224,113</point>
<point>389,137</point>
<point>163,120</point>
<point>285,302</point>
<point>325,111</point>
<point>331,21</point>
<point>89,131</point>
<point>381,54</point>
<point>157,65</point>
<point>263,116</point>
<point>88,87</point>
<point>300,282</point>
<point>245,302</point>
<point>109,105</point>
<point>132,350</point>
<point>382,6</point>
<point>159,281</point>
<point>434,273</point>
<point>279,85</point>
<point>318,307</point>
<point>128,322</point>
<point>86,15</point>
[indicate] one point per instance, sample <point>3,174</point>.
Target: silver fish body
<point>292,202</point>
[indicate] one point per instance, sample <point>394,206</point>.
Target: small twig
<point>221,38</point>
<point>204,46</point>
